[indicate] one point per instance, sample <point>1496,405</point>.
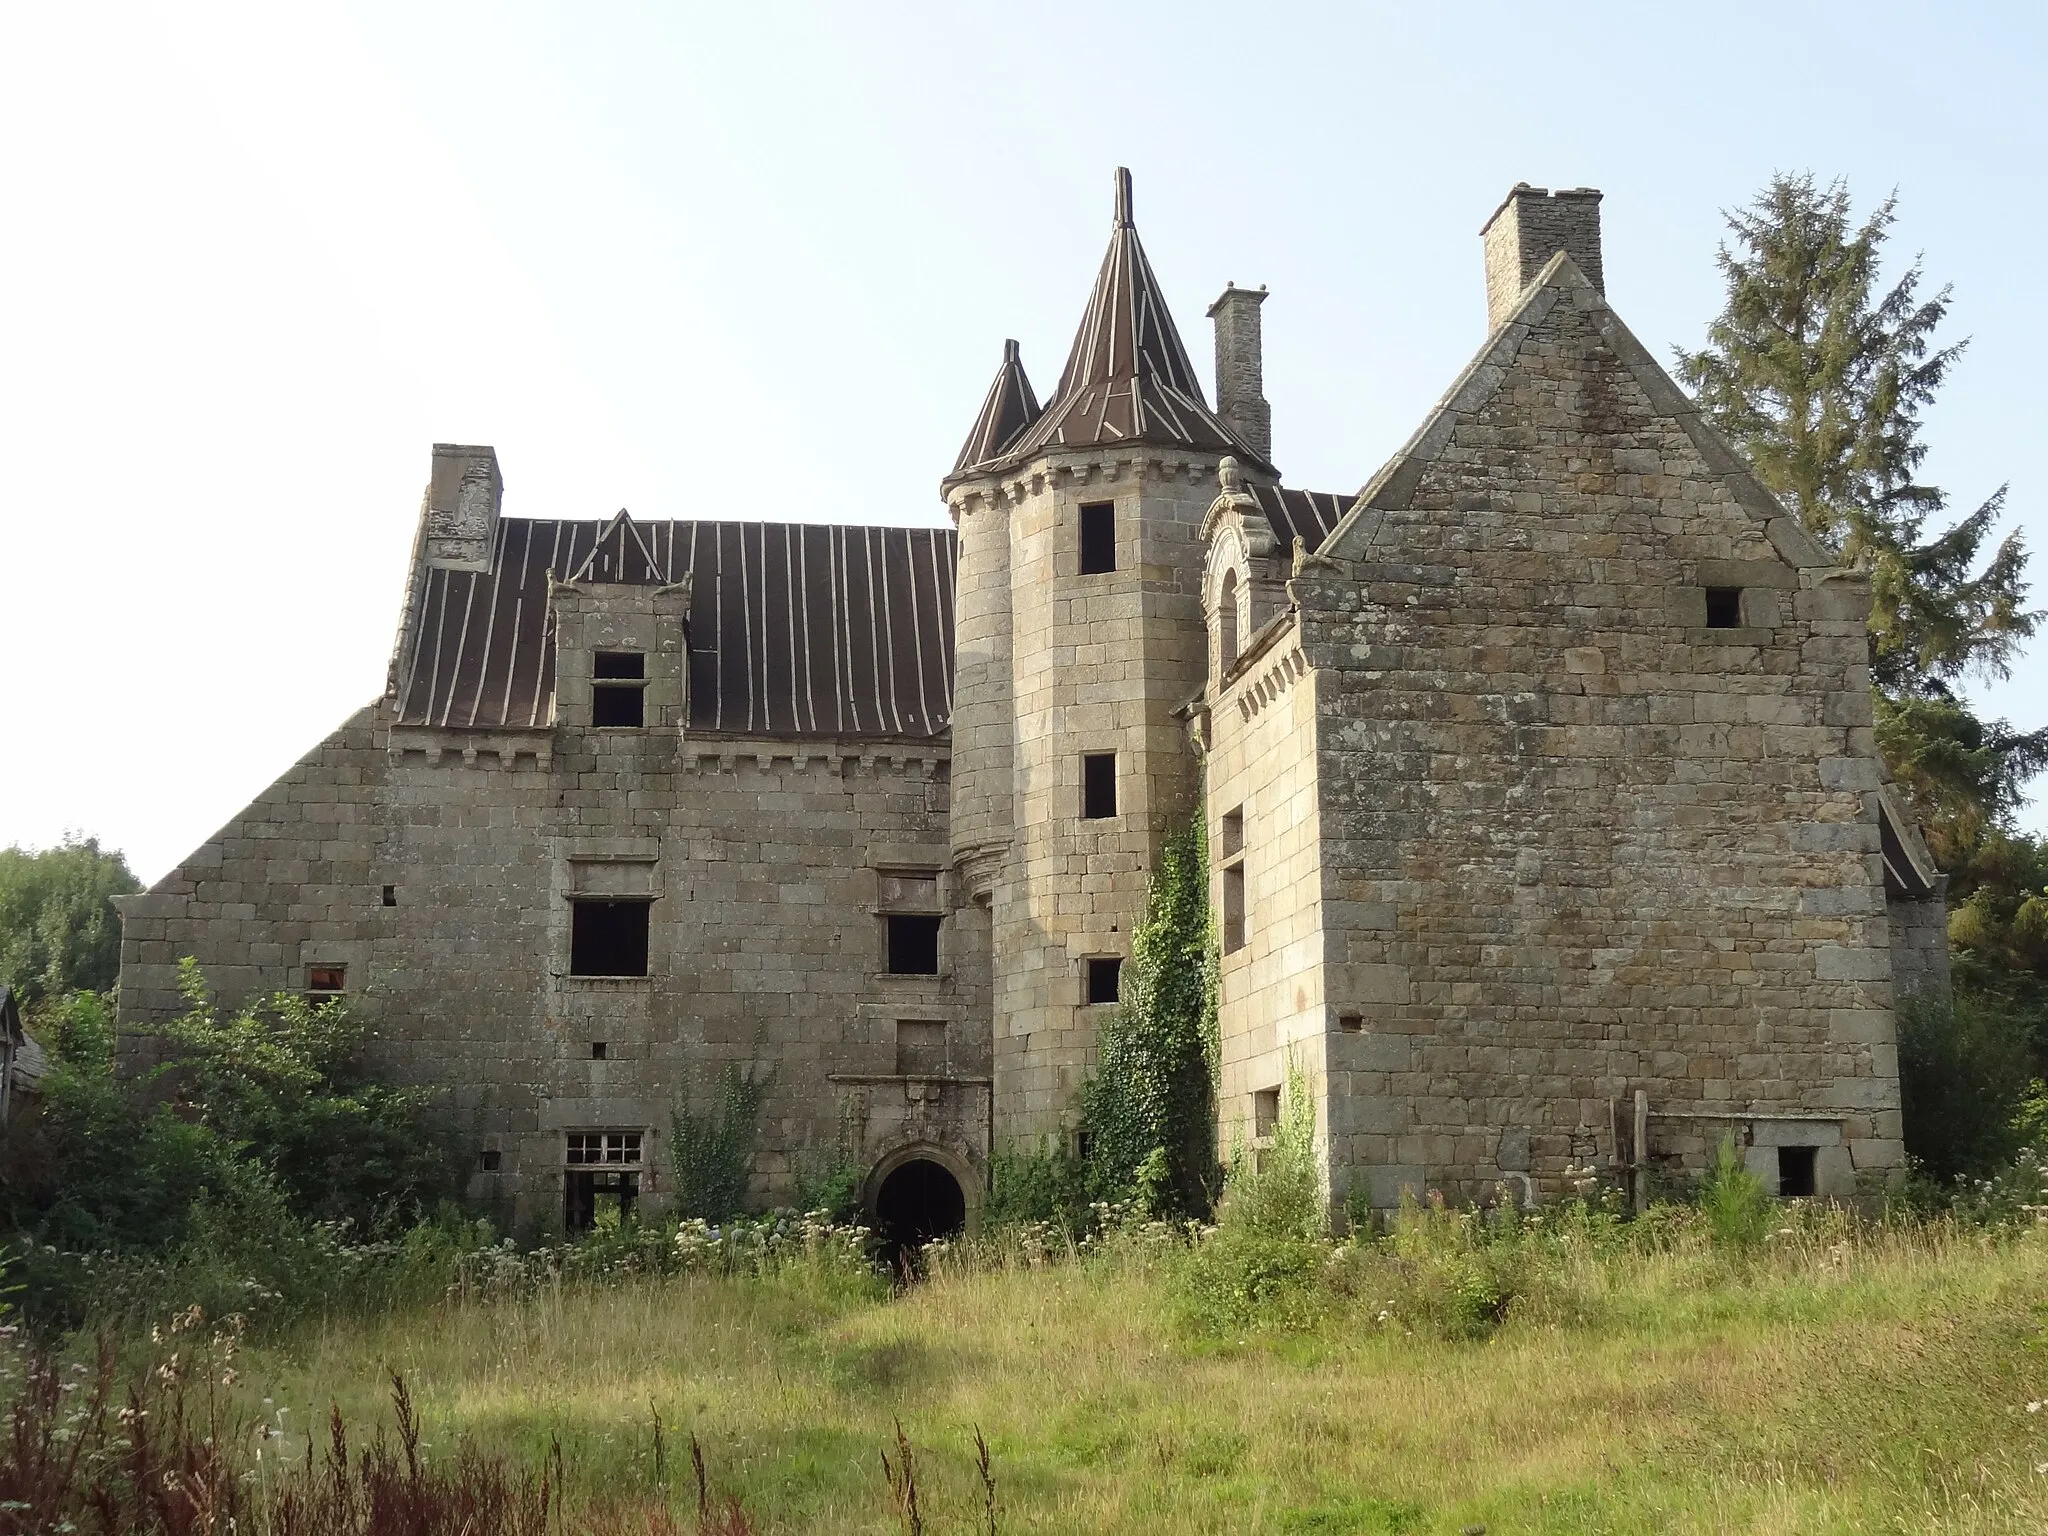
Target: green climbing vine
<point>1150,1108</point>
<point>713,1152</point>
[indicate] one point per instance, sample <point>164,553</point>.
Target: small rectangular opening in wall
<point>920,1047</point>
<point>913,944</point>
<point>1796,1171</point>
<point>620,664</point>
<point>1724,607</point>
<point>616,705</point>
<point>1265,1111</point>
<point>1233,908</point>
<point>1098,785</point>
<point>1098,538</point>
<point>326,978</point>
<point>1351,1023</point>
<point>1103,976</point>
<point>599,1050</point>
<point>390,895</point>
<point>608,938</point>
<point>1233,833</point>
<point>488,1160</point>
<point>1084,1145</point>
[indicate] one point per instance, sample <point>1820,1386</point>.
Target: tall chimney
<point>1529,228</point>
<point>1240,368</point>
<point>463,498</point>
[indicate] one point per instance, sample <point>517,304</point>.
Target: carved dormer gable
<point>1245,570</point>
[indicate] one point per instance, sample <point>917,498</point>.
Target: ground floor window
<point>601,1184</point>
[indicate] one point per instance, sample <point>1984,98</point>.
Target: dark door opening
<point>918,1202</point>
<point>594,1198</point>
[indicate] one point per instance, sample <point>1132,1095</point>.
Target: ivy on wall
<point>1150,1108</point>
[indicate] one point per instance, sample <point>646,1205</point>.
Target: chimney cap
<point>1231,291</point>
<point>1523,189</point>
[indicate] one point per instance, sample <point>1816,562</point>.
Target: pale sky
<point>759,261</point>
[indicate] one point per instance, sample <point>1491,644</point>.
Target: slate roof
<point>1008,410</point>
<point>1128,377</point>
<point>795,629</point>
<point>1310,515</point>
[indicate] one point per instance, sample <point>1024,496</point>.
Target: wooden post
<point>1641,1189</point>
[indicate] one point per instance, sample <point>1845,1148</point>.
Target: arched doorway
<point>917,1201</point>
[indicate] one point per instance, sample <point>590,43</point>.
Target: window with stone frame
<point>1098,538</point>
<point>618,689</point>
<point>608,938</point>
<point>1230,856</point>
<point>908,902</point>
<point>1104,973</point>
<point>324,983</point>
<point>601,1178</point>
<point>1229,623</point>
<point>1265,1113</point>
<point>1098,786</point>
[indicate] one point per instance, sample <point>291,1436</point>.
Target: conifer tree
<point>1820,376</point>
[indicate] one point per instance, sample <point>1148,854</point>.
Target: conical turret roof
<point>1008,410</point>
<point>1128,377</point>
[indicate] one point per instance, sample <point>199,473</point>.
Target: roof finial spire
<point>1123,198</point>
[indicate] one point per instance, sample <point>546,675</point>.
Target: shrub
<point>1739,1209</point>
<point>1045,1183</point>
<point>713,1152</point>
<point>1964,1070</point>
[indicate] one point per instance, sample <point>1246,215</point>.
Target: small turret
<point>1009,409</point>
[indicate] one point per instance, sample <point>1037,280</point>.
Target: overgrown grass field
<point>1840,1377</point>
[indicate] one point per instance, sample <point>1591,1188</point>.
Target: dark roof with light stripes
<point>1008,410</point>
<point>1307,515</point>
<point>1128,378</point>
<point>795,629</point>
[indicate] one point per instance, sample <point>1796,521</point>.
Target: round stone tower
<point>1081,640</point>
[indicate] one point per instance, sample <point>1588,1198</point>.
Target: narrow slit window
<point>1265,1112</point>
<point>1098,538</point>
<point>1233,833</point>
<point>913,944</point>
<point>1098,785</point>
<point>1228,631</point>
<point>1103,976</point>
<point>608,938</point>
<point>390,895</point>
<point>1724,607</point>
<point>1796,1171</point>
<point>1233,908</point>
<point>618,693</point>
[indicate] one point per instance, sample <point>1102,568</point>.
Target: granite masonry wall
<point>1578,843</point>
<point>439,868</point>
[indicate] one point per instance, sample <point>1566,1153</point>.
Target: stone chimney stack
<point>463,499</point>
<point>1240,368</point>
<point>1529,228</point>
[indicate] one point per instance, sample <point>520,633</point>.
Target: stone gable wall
<point>1608,847</point>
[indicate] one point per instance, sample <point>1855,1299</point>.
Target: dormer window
<point>618,689</point>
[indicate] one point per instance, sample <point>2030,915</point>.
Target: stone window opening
<point>1229,623</point>
<point>390,895</point>
<point>600,1050</point>
<point>1351,1023</point>
<point>1104,973</point>
<point>1098,786</point>
<point>1724,607</point>
<point>1232,844</point>
<point>1796,1172</point>
<point>618,692</point>
<point>912,940</point>
<point>601,1184</point>
<point>325,982</point>
<point>920,1047</point>
<point>1265,1113</point>
<point>1098,538</point>
<point>489,1160</point>
<point>608,938</point>
<point>1084,1144</point>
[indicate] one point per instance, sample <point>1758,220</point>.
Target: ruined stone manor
<point>1545,818</point>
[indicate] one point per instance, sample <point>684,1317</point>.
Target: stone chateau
<point>1546,821</point>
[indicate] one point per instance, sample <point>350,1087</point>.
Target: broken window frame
<point>614,687</point>
<point>325,981</point>
<point>600,1165</point>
